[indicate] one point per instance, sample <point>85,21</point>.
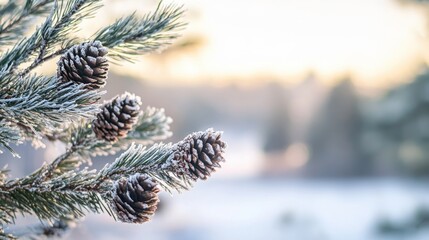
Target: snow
<point>274,209</point>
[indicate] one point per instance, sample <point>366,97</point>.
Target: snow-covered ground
<point>273,209</point>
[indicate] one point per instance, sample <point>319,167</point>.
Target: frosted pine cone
<point>197,155</point>
<point>135,199</point>
<point>117,117</point>
<point>84,63</point>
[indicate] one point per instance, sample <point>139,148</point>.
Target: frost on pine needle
<point>135,199</point>
<point>66,108</point>
<point>117,117</point>
<point>198,155</point>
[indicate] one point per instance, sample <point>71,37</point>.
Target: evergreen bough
<point>66,108</point>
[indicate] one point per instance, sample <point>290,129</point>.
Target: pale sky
<point>378,42</point>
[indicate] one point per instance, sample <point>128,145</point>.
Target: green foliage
<point>51,196</point>
<point>131,36</point>
<point>62,20</point>
<point>16,17</point>
<point>35,107</point>
<point>9,134</point>
<point>152,125</point>
<point>40,102</point>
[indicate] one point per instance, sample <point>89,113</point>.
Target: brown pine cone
<point>135,199</point>
<point>117,117</point>
<point>197,155</point>
<point>84,63</point>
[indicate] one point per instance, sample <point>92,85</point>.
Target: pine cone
<point>84,63</point>
<point>197,155</point>
<point>135,199</point>
<point>117,117</point>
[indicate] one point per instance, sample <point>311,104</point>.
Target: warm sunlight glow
<point>376,42</point>
<point>372,40</point>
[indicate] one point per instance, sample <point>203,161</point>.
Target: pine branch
<point>61,108</point>
<point>131,36</point>
<point>72,192</point>
<point>127,37</point>
<point>7,214</point>
<point>77,192</point>
<point>9,7</point>
<point>64,163</point>
<point>51,203</point>
<point>39,104</point>
<point>9,134</point>
<point>136,159</point>
<point>63,19</point>
<point>5,236</point>
<point>174,167</point>
<point>19,18</point>
<point>152,126</point>
<point>43,57</point>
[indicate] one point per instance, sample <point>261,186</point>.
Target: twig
<point>40,60</point>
